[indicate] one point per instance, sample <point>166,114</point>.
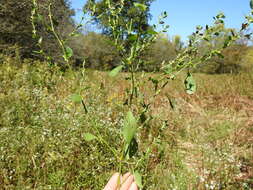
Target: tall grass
<point>203,141</point>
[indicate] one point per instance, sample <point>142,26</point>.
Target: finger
<point>133,186</point>
<point>125,176</point>
<point>113,182</point>
<point>127,183</point>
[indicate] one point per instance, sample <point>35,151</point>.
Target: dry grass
<point>204,142</point>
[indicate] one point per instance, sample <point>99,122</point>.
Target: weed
<point>63,130</point>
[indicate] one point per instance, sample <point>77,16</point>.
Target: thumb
<point>113,182</point>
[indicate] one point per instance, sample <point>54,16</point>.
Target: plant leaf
<point>251,4</point>
<point>40,17</point>
<point>68,52</point>
<point>142,7</point>
<point>220,15</point>
<point>89,137</point>
<point>151,31</point>
<point>168,69</point>
<point>76,98</point>
<point>138,179</point>
<point>40,40</point>
<point>74,34</point>
<point>115,71</point>
<point>129,128</point>
<point>190,85</point>
<point>218,53</point>
<point>132,37</point>
<point>227,42</point>
<point>131,149</point>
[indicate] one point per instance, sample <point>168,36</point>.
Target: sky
<point>185,15</point>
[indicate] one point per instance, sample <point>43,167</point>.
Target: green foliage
<point>228,56</point>
<point>129,38</point>
<point>50,26</point>
<point>15,24</point>
<point>43,134</point>
<point>130,127</point>
<point>98,51</point>
<point>141,7</point>
<point>52,143</point>
<point>178,44</point>
<point>76,98</point>
<point>136,11</point>
<point>116,71</point>
<point>190,84</point>
<point>89,137</point>
<point>247,60</point>
<point>138,179</point>
<point>161,51</point>
<point>68,53</point>
<point>16,28</point>
<point>131,44</point>
<point>232,60</point>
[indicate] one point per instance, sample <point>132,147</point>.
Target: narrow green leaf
<point>40,40</point>
<point>74,34</point>
<point>151,31</point>
<point>132,37</point>
<point>164,14</point>
<point>131,149</point>
<point>115,71</point>
<point>220,15</point>
<point>129,128</point>
<point>199,27</point>
<point>251,4</point>
<point>76,98</point>
<point>38,52</point>
<point>142,7</point>
<point>49,28</point>
<point>138,179</point>
<point>190,85</point>
<point>89,137</point>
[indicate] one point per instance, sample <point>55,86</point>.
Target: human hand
<point>126,182</point>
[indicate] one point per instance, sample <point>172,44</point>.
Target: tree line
<point>95,48</point>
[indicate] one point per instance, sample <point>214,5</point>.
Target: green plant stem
<point>108,146</point>
<point>132,85</point>
<point>56,35</point>
<point>102,141</point>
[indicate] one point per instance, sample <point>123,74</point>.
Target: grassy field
<point>202,141</point>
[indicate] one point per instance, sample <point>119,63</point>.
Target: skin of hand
<point>127,182</point>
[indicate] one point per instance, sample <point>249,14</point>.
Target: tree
<point>16,27</point>
<point>99,52</point>
<point>162,50</point>
<point>177,42</point>
<point>126,22</point>
<point>130,12</point>
<point>229,61</point>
